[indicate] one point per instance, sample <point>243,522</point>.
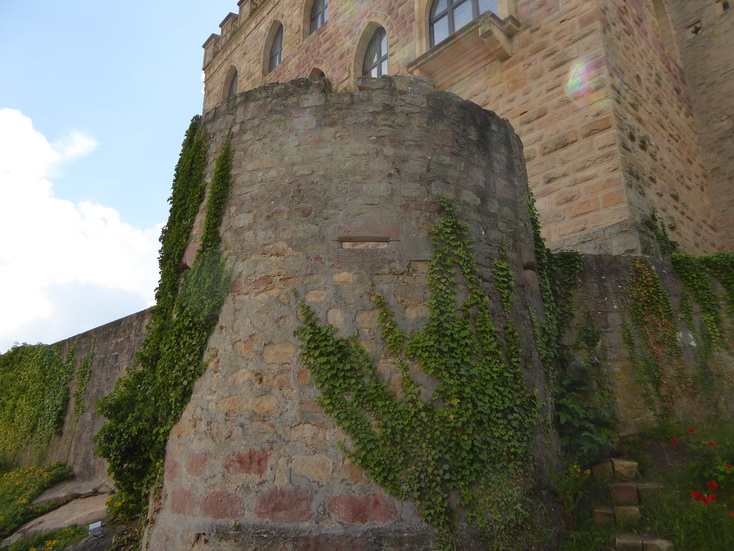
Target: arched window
<point>448,16</point>
<point>319,14</point>
<point>276,49</point>
<point>375,58</point>
<point>232,89</point>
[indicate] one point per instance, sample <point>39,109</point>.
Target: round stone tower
<point>334,195</point>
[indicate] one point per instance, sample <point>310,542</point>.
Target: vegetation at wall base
<point>18,489</point>
<point>471,438</point>
<point>55,540</point>
<point>148,401</point>
<point>34,396</point>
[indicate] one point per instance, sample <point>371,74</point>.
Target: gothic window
<point>375,58</point>
<point>276,49</point>
<point>232,90</point>
<point>448,16</point>
<point>319,14</point>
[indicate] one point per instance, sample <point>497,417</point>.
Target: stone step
<point>632,493</point>
<point>615,469</point>
<point>635,542</point>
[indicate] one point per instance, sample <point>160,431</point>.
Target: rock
<point>624,469</point>
<point>657,545</point>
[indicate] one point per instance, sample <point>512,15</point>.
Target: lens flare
<point>586,81</point>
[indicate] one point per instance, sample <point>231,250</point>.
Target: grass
<point>18,489</point>
<point>54,540</point>
<point>693,463</point>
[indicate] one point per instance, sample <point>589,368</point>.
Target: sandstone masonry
<point>333,197</point>
<point>616,113</point>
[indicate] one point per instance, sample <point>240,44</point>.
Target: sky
<point>95,97</point>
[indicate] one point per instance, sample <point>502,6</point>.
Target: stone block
<point>352,510</point>
<point>279,353</point>
<point>316,467</point>
<point>285,504</point>
<point>624,493</point>
<point>249,462</point>
<point>221,505</point>
<point>624,469</point>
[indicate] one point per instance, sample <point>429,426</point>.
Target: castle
<point>621,107</point>
<point>612,114</point>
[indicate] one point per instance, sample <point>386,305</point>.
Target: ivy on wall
<point>34,396</point>
<point>467,440</point>
<point>149,400</point>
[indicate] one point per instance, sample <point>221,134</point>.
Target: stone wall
<point>570,142</point>
<point>661,162</point>
<point>704,31</point>
<point>113,347</point>
<point>333,196</point>
<point>603,145</point>
<point>604,293</point>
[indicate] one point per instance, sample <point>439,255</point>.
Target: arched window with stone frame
<point>275,49</point>
<point>319,15</point>
<point>375,57</point>
<point>448,16</point>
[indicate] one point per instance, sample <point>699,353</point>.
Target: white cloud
<point>49,245</point>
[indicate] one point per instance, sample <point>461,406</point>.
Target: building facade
<point>617,116</point>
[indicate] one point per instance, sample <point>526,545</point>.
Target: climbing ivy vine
<point>34,396</point>
<point>150,398</point>
<point>467,440</point>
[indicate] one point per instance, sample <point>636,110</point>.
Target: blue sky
<point>95,97</point>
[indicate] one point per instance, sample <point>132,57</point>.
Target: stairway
<point>627,494</point>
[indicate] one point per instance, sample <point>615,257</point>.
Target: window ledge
<point>474,46</point>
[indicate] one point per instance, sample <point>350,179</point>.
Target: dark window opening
<point>319,14</point>
<point>276,50</point>
<point>375,58</point>
<point>448,16</point>
<point>232,86</point>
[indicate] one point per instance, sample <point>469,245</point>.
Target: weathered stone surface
<point>221,505</point>
<point>317,467</point>
<point>285,504</point>
<point>374,508</point>
<point>196,463</point>
<point>278,353</point>
<point>182,501</point>
<point>250,462</point>
<point>257,409</point>
<point>624,469</point>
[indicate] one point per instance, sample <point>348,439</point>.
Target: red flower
<point>731,514</point>
<point>673,440</point>
<point>711,442</point>
<point>713,485</point>
<point>697,494</point>
<point>712,497</point>
<point>691,430</point>
<point>728,465</point>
